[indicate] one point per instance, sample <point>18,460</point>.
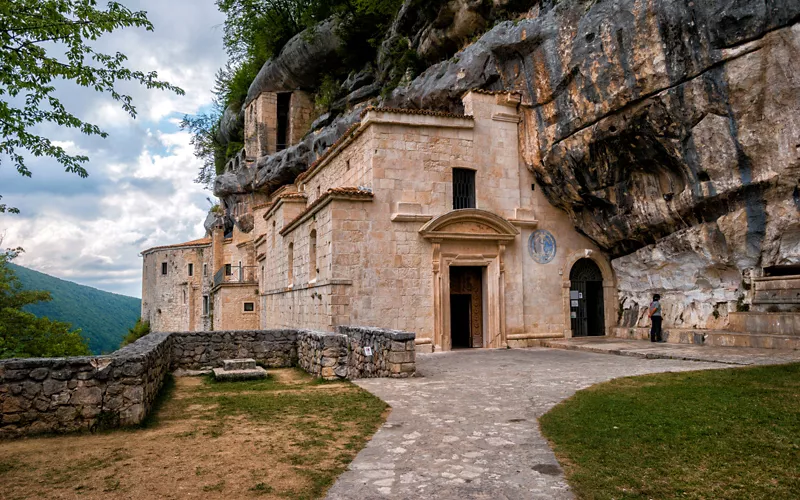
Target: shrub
<point>139,330</point>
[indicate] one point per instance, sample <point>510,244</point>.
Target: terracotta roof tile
<point>426,112</point>
<point>193,243</point>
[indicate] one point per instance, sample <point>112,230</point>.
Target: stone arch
<point>610,303</point>
<point>469,223</point>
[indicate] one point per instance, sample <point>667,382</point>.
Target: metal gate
<point>586,299</point>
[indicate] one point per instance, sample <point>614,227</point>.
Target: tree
<point>22,334</point>
<point>137,331</point>
<point>32,33</point>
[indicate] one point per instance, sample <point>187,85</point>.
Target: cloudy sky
<point>140,191</point>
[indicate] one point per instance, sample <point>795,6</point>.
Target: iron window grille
<point>463,188</point>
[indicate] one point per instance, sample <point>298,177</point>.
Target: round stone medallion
<point>542,246</point>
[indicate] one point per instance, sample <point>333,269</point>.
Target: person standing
<point>655,319</point>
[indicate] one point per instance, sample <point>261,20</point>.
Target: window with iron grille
<point>463,188</point>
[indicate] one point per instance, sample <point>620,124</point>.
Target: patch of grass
<point>8,466</point>
<point>262,489</point>
<point>214,487</point>
<point>731,434</point>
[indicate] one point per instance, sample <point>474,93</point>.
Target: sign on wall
<point>542,246</point>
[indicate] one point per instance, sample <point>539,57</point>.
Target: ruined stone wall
<point>261,118</point>
<point>323,354</point>
<point>89,393</point>
<point>391,353</point>
<point>272,348</point>
<point>83,393</point>
<point>301,114</point>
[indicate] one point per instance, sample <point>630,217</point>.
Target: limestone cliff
<point>669,130</point>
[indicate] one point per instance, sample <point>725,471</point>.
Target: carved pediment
<point>469,224</point>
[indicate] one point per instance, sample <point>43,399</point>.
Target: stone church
<point>415,220</point>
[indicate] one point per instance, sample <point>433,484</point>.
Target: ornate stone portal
<point>475,238</point>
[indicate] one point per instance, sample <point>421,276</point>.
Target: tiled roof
<point>493,92</point>
<point>426,112</point>
<point>292,196</point>
<point>193,243</point>
<point>345,191</point>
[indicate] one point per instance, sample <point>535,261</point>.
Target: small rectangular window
<point>463,188</point>
<point>205,269</point>
<point>249,306</point>
<point>164,268</point>
<point>205,305</point>
<point>191,269</point>
<point>228,269</point>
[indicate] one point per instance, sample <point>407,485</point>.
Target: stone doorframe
<point>609,288</point>
<point>470,237</point>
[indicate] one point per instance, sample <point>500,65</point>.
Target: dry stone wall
<point>196,350</point>
<point>94,392</point>
<point>82,393</point>
<point>375,352</point>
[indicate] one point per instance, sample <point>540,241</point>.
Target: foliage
<point>31,31</point>
<point>327,93</point>
<point>104,318</point>
<point>731,433</point>
<point>137,331</point>
<point>22,334</point>
<point>207,146</point>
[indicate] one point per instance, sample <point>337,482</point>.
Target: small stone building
<point>414,220</point>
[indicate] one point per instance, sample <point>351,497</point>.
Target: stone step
<point>223,375</point>
<point>777,323</point>
<point>719,338</point>
<point>238,364</point>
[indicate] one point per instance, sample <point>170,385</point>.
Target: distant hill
<point>103,317</point>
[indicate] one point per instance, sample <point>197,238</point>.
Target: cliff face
<point>668,130</point>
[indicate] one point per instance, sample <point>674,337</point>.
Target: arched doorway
<point>586,299</point>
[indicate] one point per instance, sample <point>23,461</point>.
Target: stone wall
<point>272,348</point>
<point>82,393</point>
<point>89,393</point>
<point>323,354</point>
<point>393,352</point>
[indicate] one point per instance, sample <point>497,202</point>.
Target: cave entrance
<point>586,299</point>
<point>466,307</point>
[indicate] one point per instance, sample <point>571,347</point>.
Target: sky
<point>140,192</point>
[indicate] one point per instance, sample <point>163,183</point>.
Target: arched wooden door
<point>586,299</point>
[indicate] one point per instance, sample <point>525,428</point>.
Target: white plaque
<point>580,295</point>
<point>573,315</point>
<point>574,303</point>
<point>368,351</point>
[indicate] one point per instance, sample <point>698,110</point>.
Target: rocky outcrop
<point>668,130</point>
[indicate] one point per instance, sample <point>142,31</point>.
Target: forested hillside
<point>104,317</point>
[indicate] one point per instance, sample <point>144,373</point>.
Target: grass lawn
<point>732,433</point>
<point>285,437</point>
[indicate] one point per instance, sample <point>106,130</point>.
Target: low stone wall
<point>87,393</point>
<point>271,348</point>
<point>323,354</point>
<point>82,393</point>
<point>393,353</point>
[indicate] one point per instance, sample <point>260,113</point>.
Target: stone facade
<point>89,393</point>
<point>371,235</point>
<point>175,280</point>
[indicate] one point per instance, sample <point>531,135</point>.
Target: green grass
<point>732,434</point>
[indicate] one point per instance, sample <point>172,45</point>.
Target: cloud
<point>140,192</point>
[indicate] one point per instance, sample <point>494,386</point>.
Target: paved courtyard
<point>467,427</point>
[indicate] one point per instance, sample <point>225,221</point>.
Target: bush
<point>139,330</point>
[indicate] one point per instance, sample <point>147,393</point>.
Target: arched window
<point>273,233</point>
<point>312,255</point>
<point>290,264</point>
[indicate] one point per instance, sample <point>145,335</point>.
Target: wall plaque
<point>367,351</point>
<point>542,246</point>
